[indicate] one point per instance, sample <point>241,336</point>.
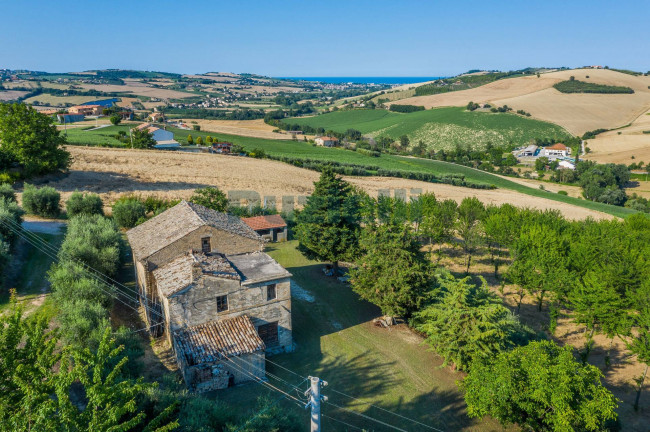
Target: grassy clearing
<point>441,128</point>
<point>387,368</point>
<point>97,137</point>
<point>30,276</point>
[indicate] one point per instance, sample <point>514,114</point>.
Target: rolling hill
<point>576,112</point>
<point>443,128</point>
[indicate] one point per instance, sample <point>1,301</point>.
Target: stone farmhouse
<point>326,141</point>
<point>209,288</point>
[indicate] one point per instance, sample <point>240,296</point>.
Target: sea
<point>366,80</point>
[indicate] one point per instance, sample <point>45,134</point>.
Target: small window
<point>268,333</point>
<point>205,245</point>
<point>222,303</point>
<point>270,292</point>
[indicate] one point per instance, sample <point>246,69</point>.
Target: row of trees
<point>596,272</point>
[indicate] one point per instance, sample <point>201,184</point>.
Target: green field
<point>440,128</point>
<point>303,150</point>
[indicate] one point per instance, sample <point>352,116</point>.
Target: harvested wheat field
<point>249,128</point>
<point>139,89</point>
<point>620,146</point>
<point>576,112</point>
<point>115,172</point>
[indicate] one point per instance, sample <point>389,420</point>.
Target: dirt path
<point>42,226</point>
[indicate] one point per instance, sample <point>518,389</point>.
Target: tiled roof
<point>175,275</point>
<point>214,341</point>
<point>558,146</point>
<point>143,126</point>
<point>328,138</point>
<point>265,222</point>
<point>178,221</point>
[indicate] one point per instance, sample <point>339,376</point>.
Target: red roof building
<point>270,227</point>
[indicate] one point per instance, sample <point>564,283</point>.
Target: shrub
<point>562,192</point>
<point>94,240</point>
<point>210,197</point>
<point>406,108</point>
<point>84,204</point>
<point>41,201</point>
<point>128,213</point>
<point>7,192</point>
<point>12,216</point>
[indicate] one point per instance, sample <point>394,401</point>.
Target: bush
<point>128,213</point>
<point>84,204</point>
<point>7,192</point>
<point>94,240</point>
<point>406,108</point>
<point>562,192</point>
<point>13,215</point>
<point>41,201</point>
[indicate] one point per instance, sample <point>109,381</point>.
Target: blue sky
<point>323,38</point>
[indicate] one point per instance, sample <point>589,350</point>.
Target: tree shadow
<point>108,181</point>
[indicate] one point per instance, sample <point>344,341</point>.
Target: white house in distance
<point>326,141</point>
<point>164,139</point>
<point>566,165</point>
<point>555,151</point>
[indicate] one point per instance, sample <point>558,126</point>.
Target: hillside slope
<point>577,113</point>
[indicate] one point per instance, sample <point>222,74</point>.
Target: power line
<point>55,258</point>
<point>341,421</point>
<point>385,410</point>
<point>367,417</point>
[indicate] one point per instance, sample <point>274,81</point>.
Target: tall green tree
<point>30,139</point>
<point>40,380</point>
<point>469,323</point>
<point>392,272</point>
<point>328,227</point>
<point>438,221</point>
<point>142,139</point>
<point>540,387</point>
<point>639,340</point>
<point>469,228</point>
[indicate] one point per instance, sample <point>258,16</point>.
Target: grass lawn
<point>97,137</point>
<point>30,281</point>
<point>336,341</point>
<point>440,128</point>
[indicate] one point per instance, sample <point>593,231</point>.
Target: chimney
<point>197,269</point>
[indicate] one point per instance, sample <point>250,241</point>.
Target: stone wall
<point>198,304</point>
<point>220,241</point>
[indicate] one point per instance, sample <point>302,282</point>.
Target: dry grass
<point>621,145</point>
<point>250,128</point>
<point>139,89</point>
<point>577,113</point>
<point>115,172</point>
<point>11,94</point>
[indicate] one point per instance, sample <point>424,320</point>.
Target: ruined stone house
<point>209,288</point>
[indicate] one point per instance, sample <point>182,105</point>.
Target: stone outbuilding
<point>272,228</point>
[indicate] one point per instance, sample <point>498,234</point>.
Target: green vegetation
<point>43,201</point>
<point>81,203</point>
<point>405,108</point>
<point>210,197</point>
<point>128,212</point>
<point>439,129</point>
<point>575,86</point>
<point>464,82</point>
<point>31,144</point>
<point>328,226</point>
<point>540,387</point>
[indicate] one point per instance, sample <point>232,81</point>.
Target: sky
<point>323,38</point>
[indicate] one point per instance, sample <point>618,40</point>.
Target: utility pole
<point>315,399</point>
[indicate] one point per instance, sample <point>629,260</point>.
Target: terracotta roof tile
<point>216,340</point>
<point>265,222</point>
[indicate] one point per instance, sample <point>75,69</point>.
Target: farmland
<point>576,112</point>
<point>440,129</point>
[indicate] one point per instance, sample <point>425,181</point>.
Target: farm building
<point>156,117</point>
<point>104,103</point>
<point>70,118</point>
<point>89,110</point>
<point>326,141</point>
<point>197,269</point>
<point>271,227</point>
<point>555,151</point>
<point>566,165</point>
<point>529,151</point>
<point>221,147</point>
